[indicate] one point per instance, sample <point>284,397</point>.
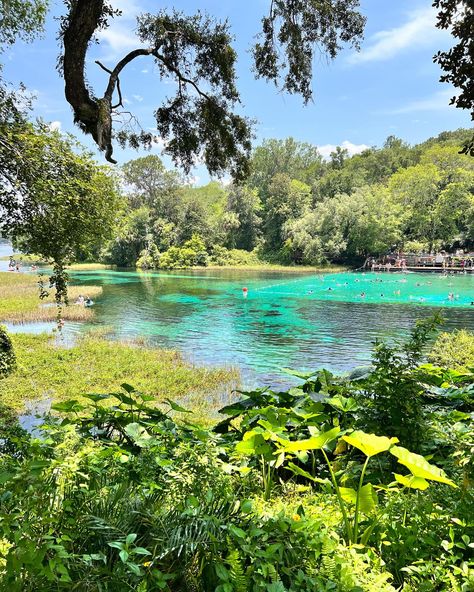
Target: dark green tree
<point>458,62</point>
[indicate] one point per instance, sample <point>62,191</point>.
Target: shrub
<point>236,257</point>
<point>7,354</point>
<point>453,350</point>
<point>191,254</point>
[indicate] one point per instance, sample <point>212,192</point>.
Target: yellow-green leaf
<point>369,444</point>
<point>314,443</point>
<point>419,466</point>
<point>412,482</point>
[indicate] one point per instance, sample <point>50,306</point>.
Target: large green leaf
<point>412,482</point>
<point>253,443</point>
<point>138,434</point>
<point>369,444</point>
<point>298,374</point>
<point>368,500</point>
<point>175,407</point>
<point>314,443</point>
<point>419,466</point>
<point>72,405</point>
<point>299,471</point>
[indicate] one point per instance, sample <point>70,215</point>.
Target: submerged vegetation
<point>290,491</point>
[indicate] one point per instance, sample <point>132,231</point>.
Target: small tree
<point>7,354</point>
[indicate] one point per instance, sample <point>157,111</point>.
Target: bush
<point>237,257</point>
<point>7,354</point>
<point>191,254</point>
<point>453,350</point>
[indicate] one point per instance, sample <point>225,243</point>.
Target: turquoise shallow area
<point>293,320</point>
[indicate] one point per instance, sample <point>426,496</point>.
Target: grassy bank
<point>20,302</point>
<point>27,260</point>
<point>282,268</point>
<point>47,371</point>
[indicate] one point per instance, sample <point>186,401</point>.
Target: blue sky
<point>390,88</point>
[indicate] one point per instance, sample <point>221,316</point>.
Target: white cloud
<point>439,101</point>
<point>351,148</point>
<point>129,8</point>
<point>55,126</point>
<point>119,40</point>
<point>138,98</point>
<point>144,71</point>
<point>418,31</point>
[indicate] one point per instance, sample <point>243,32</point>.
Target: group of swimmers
<point>84,301</point>
<point>14,265</point>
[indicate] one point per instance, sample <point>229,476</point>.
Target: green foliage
<point>96,365</point>
<point>55,202</point>
<point>290,33</point>
<point>112,493</point>
<point>21,19</point>
<point>191,254</point>
<point>7,354</point>
<point>453,350</point>
<point>392,393</point>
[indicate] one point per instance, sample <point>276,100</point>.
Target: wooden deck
<point>428,269</point>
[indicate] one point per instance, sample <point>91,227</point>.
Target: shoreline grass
<point>20,301</point>
<point>35,260</point>
<point>280,268</point>
<point>47,371</point>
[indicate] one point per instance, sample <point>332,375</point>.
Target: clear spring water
<point>287,320</point>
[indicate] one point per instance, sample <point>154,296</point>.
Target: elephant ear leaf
<point>419,466</point>
<point>368,500</point>
<point>369,444</point>
<point>315,443</point>
<point>412,482</point>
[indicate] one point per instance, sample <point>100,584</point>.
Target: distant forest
<point>297,208</point>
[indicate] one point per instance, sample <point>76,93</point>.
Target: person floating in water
<point>362,295</point>
<point>80,300</point>
<point>450,296</point>
<point>88,301</point>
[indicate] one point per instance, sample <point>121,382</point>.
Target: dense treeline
<point>297,208</point>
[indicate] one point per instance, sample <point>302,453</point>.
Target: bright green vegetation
<point>48,371</point>
<point>20,302</point>
<point>454,350</point>
<point>296,208</point>
<point>328,486</point>
<point>7,354</point>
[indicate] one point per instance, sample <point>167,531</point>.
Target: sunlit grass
<point>284,268</point>
<point>20,302</point>
<point>48,371</point>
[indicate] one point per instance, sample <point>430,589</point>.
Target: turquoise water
<point>287,320</point>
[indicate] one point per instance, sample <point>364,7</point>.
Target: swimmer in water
<point>362,295</point>
<point>450,296</point>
